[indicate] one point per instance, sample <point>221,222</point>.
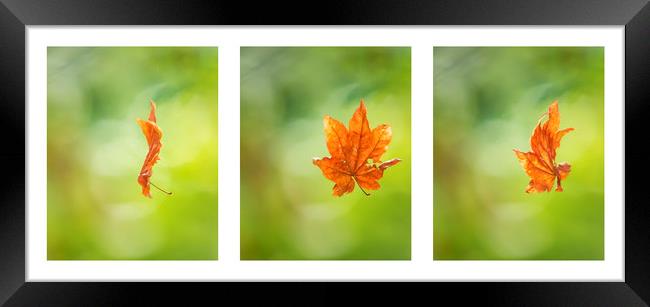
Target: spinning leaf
<point>351,149</point>
<point>539,164</point>
<point>153,134</point>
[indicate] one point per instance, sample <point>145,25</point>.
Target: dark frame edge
<point>637,74</point>
<point>297,293</point>
<point>336,12</point>
<point>12,156</point>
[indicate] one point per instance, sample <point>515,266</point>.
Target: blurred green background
<point>486,103</point>
<point>95,149</point>
<point>287,207</point>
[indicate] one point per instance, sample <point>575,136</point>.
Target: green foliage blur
<point>95,149</point>
<point>487,102</point>
<point>288,211</point>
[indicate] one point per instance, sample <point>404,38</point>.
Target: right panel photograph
<point>518,153</point>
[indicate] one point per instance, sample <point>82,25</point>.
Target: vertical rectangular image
<point>504,188</point>
<point>132,153</point>
<point>325,153</point>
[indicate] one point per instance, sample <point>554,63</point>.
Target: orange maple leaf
<point>539,164</point>
<point>153,134</point>
<point>350,150</point>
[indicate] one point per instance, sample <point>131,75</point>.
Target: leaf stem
<point>155,186</point>
<point>362,190</point>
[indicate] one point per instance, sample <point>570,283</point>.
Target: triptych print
<point>325,153</point>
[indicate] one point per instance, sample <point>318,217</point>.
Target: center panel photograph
<point>325,153</point>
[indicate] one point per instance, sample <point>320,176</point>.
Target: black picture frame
<point>15,15</point>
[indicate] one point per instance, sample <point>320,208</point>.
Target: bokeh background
<point>95,149</point>
<point>287,207</point>
<point>486,103</point>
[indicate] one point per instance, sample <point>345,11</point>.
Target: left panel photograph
<point>132,153</point>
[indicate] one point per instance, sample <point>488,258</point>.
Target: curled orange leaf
<point>351,151</point>
<point>539,164</point>
<point>153,134</point>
